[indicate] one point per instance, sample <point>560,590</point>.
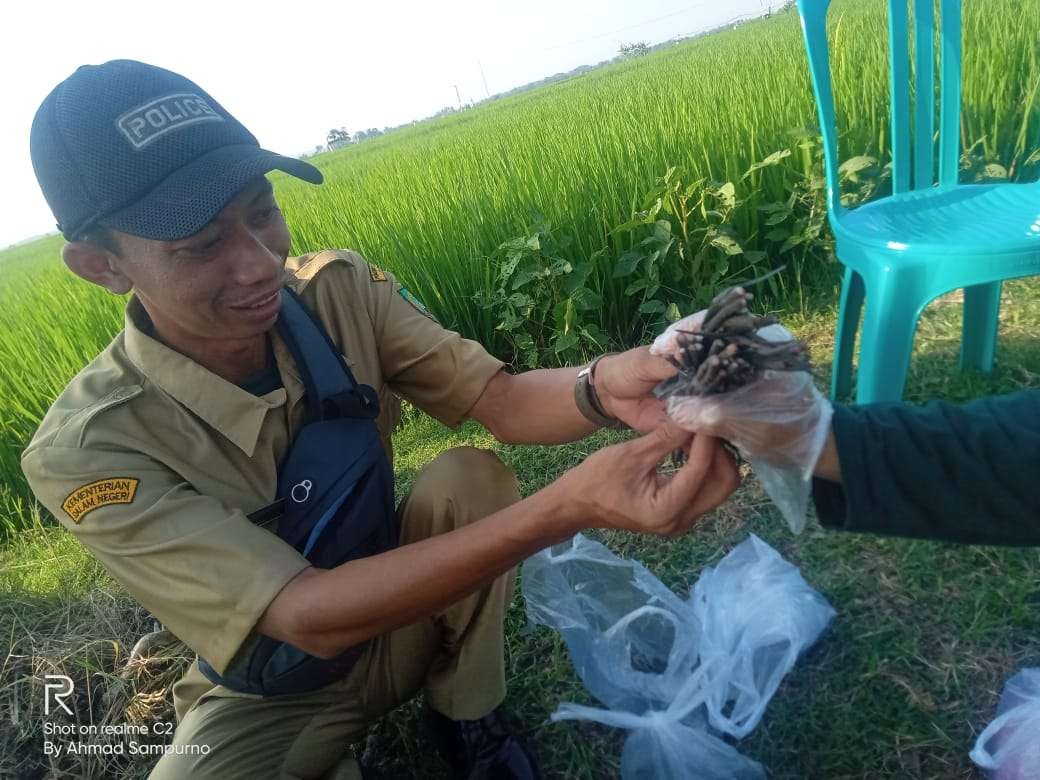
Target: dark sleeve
<point>966,474</point>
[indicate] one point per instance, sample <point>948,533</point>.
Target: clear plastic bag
<point>1009,747</point>
<point>680,674</point>
<point>779,422</point>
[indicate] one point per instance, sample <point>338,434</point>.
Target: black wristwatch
<point>588,402</point>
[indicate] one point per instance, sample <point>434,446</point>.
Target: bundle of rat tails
<point>749,372</point>
<point>724,351</point>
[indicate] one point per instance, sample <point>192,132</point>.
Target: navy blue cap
<point>143,150</point>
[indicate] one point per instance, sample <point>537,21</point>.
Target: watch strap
<point>587,400</point>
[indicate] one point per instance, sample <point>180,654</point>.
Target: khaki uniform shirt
<point>154,462</point>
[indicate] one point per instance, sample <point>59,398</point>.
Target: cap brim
<point>189,198</point>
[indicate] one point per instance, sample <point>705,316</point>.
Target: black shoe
<point>477,749</point>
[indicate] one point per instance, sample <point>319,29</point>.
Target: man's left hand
<point>624,384</point>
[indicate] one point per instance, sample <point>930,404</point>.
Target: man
<point>163,455</point>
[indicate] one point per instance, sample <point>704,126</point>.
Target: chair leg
<point>849,309</point>
<point>888,339</point>
<point>981,316</point>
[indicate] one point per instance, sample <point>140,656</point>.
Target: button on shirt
<point>154,462</point>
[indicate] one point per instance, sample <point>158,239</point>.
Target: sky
<point>292,71</point>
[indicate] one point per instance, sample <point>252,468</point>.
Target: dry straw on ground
<point>122,680</point>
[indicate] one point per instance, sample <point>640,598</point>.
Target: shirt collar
<point>235,413</point>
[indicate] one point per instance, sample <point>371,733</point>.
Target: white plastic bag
<point>680,674</point>
<point>782,405</point>
<point>1009,748</point>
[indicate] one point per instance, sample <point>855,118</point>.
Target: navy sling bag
<point>336,493</point>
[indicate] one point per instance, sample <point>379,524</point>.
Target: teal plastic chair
<point>928,237</point>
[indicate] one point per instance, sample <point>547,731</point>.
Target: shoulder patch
<point>301,270</point>
<point>376,273</point>
<point>72,430</point>
<point>103,492</point>
<point>415,302</point>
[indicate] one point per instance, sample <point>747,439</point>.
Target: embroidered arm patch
<point>104,492</point>
<point>415,302</point>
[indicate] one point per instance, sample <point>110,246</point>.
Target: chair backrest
<point>907,173</point>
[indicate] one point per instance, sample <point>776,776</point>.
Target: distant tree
<point>337,138</point>
<point>634,49</point>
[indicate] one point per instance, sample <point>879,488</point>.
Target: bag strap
<point>330,388</point>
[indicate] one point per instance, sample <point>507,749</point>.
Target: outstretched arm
<point>537,407</point>
<point>941,471</point>
<point>325,611</point>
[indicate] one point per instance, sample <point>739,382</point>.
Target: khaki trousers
<point>455,657</point>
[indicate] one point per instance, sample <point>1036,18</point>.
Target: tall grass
<point>51,325</point>
<point>433,202</point>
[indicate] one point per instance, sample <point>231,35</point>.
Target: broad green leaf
<point>510,321</point>
<point>564,341</point>
<point>565,315</point>
<point>721,269</point>
<point>586,300</point>
<point>754,256</point>
<point>522,278</point>
<point>560,267</point>
<point>774,159</point>
<point>520,300</point>
<point>854,165</point>
<point>692,188</point>
<point>575,280</point>
<point>993,172</point>
<point>592,333</point>
<point>627,227</point>
<point>727,244</point>
<point>510,265</point>
<point>626,264</point>
<point>728,194</point>
<point>636,286</point>
<point>777,212</point>
<point>652,307</point>
<point>524,341</point>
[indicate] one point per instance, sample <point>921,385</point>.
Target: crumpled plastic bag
<point>786,398</point>
<point>680,674</point>
<point>1009,747</point>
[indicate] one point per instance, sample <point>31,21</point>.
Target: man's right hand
<point>620,487</point>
